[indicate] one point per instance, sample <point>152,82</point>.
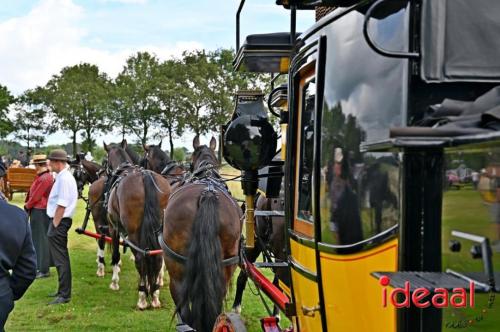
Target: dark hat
<point>59,155</point>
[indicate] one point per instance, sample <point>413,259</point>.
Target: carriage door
<point>302,244</point>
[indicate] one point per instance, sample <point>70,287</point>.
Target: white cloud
<point>38,45</point>
<point>127,1</point>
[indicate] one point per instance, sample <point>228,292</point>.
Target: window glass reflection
<point>307,100</point>
<point>359,193</point>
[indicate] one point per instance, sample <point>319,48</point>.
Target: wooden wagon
<point>17,180</point>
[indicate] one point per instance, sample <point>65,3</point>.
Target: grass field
<point>94,307</point>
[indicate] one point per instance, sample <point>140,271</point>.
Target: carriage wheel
<point>230,322</point>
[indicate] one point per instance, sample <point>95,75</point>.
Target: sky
<point>39,38</point>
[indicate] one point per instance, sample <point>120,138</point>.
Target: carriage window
<point>305,170</point>
<point>359,192</point>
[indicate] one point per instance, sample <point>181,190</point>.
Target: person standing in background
<point>17,258</point>
<point>60,209</point>
<point>36,206</point>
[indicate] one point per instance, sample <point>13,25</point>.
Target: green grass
<point>94,307</point>
<point>465,211</point>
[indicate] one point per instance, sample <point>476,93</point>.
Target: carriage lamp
<point>249,143</point>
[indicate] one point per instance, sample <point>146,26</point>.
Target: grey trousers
<point>39,223</point>
<point>58,245</point>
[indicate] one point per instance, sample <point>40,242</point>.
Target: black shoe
<point>41,275</point>
<point>59,300</point>
<point>56,294</point>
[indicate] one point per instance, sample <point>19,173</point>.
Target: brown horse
<point>269,241</point>
<point>96,204</point>
<point>201,238</point>
<point>157,160</point>
<point>135,204</point>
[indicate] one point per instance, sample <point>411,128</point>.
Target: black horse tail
<point>148,232</point>
<point>202,290</point>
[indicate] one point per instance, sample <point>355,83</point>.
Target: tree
<point>170,95</point>
<point>6,126</point>
<point>223,83</point>
<point>79,100</point>
<point>195,90</point>
<point>136,94</point>
<point>31,121</point>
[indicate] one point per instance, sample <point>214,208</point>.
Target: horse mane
<point>134,156</point>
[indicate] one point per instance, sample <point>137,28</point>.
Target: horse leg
<point>115,262</point>
<point>100,258</point>
<point>252,255</point>
<point>161,274</point>
<point>142,301</point>
<point>155,289</point>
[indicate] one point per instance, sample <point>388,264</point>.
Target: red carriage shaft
<point>109,240</point>
<point>272,291</point>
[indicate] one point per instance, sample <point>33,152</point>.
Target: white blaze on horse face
<point>116,278</point>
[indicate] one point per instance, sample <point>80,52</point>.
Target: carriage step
<point>263,265</point>
<point>273,213</point>
<point>184,328</point>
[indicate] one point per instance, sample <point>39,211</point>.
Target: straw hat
<point>59,155</point>
<point>39,159</point>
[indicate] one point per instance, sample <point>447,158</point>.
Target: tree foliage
<point>31,121</point>
<point>136,88</point>
<point>79,100</point>
<point>6,99</point>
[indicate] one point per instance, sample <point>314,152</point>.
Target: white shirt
<point>64,193</point>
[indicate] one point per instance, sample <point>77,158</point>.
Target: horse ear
<point>146,147</point>
<point>196,142</point>
<point>106,147</point>
<point>213,143</point>
<point>159,144</point>
<point>124,144</point>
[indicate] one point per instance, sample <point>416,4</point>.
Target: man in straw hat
<point>60,209</point>
<point>36,207</point>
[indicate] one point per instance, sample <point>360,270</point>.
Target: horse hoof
<point>142,305</point>
<point>100,271</point>
<point>114,286</point>
<point>237,309</point>
<point>156,304</point>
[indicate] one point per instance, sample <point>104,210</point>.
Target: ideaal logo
<point>421,297</point>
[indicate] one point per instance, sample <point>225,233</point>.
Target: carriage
<point>380,98</point>
<point>17,180</point>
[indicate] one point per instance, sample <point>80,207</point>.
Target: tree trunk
<point>219,153</point>
<point>90,144</point>
<point>171,140</point>
<point>75,148</point>
<point>144,139</point>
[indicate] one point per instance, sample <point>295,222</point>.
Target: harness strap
<point>169,167</point>
<point>182,259</point>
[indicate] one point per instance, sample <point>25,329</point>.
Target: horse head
<point>203,155</point>
<point>155,158</point>
<point>116,156</point>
